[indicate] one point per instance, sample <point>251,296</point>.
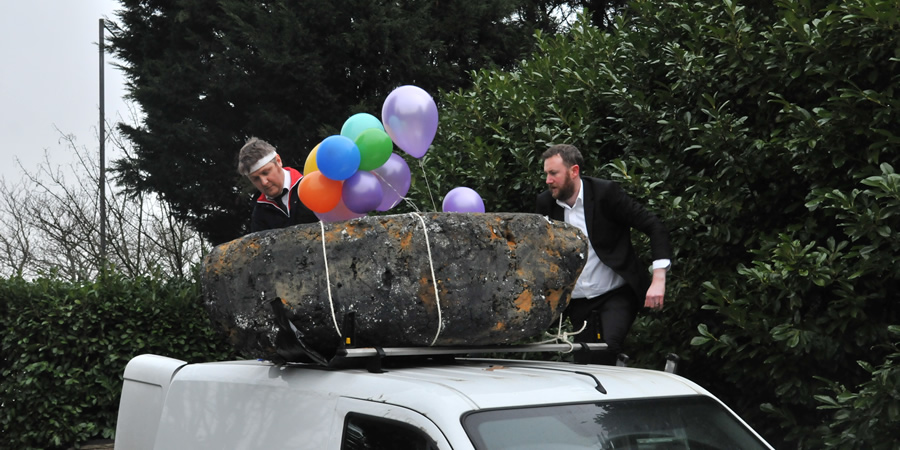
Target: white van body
<point>451,403</point>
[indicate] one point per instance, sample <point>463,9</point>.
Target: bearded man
<point>614,285</point>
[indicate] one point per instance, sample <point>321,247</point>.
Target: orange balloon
<point>319,193</point>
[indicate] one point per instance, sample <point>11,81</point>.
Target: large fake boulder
<point>431,279</point>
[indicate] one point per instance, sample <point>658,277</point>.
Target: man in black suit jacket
<point>613,284</point>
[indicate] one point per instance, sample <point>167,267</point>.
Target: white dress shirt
<point>287,186</point>
<point>596,278</point>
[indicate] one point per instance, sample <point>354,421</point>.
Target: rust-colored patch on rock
<point>510,241</point>
<point>553,298</point>
<point>237,252</point>
<point>524,301</point>
<point>521,273</point>
<point>244,243</point>
<point>500,326</point>
<point>556,241</point>
<point>494,235</point>
<point>286,300</point>
<point>406,241</point>
<point>213,266</point>
<point>553,253</point>
<point>426,292</point>
<point>354,231</point>
<point>333,235</point>
<point>505,237</point>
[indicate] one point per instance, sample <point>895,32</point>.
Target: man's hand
<point>657,291</point>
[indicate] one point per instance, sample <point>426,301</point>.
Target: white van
<point>419,398</point>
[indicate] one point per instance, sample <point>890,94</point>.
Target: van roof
<point>462,385</point>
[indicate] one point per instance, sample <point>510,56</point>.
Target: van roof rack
<point>291,348</point>
<point>375,356</point>
<point>364,352</point>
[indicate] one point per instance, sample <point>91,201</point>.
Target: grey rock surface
<point>498,278</point>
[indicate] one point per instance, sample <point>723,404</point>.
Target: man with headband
<point>279,204</point>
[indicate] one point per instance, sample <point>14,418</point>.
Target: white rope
<point>564,336</point>
<point>328,281</point>
<point>437,297</point>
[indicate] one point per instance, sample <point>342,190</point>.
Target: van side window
<point>363,432</point>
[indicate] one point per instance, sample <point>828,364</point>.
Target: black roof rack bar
<point>599,387</point>
<point>364,352</point>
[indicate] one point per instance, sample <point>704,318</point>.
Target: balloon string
<point>328,280</point>
<point>402,197</point>
<point>437,297</point>
<point>427,186</point>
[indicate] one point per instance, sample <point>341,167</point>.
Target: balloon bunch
<point>351,174</point>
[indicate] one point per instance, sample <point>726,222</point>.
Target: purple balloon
<point>362,192</point>
<point>394,177</point>
<point>410,118</point>
<point>463,200</point>
<point>338,214</point>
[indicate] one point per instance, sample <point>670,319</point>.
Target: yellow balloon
<point>311,165</point>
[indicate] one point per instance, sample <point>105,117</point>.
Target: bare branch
<point>55,228</point>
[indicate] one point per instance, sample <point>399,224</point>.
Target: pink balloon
<point>462,200</point>
<point>394,177</point>
<point>362,192</point>
<point>338,214</point>
<point>410,118</point>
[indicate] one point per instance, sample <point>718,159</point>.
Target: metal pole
<point>102,158</point>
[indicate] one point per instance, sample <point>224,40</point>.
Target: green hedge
<point>765,135</point>
<point>65,347</point>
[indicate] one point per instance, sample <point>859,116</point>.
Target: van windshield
<point>694,422</point>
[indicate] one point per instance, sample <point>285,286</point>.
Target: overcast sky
<point>49,80</point>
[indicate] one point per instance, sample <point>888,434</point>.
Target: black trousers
<point>609,318</point>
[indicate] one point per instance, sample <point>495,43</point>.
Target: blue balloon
<point>338,157</point>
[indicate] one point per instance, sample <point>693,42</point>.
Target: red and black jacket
<point>268,214</point>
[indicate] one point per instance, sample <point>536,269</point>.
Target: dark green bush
<point>873,410</point>
<point>65,347</point>
<point>763,134</point>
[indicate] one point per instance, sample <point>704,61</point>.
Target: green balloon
<point>375,147</point>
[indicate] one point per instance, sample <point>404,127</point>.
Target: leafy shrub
<point>65,347</point>
<point>760,134</point>
<point>866,418</point>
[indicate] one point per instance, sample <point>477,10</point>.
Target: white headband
<point>265,159</point>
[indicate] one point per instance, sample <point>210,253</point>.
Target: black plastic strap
<point>288,344</point>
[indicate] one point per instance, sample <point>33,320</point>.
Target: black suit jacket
<point>610,214</point>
